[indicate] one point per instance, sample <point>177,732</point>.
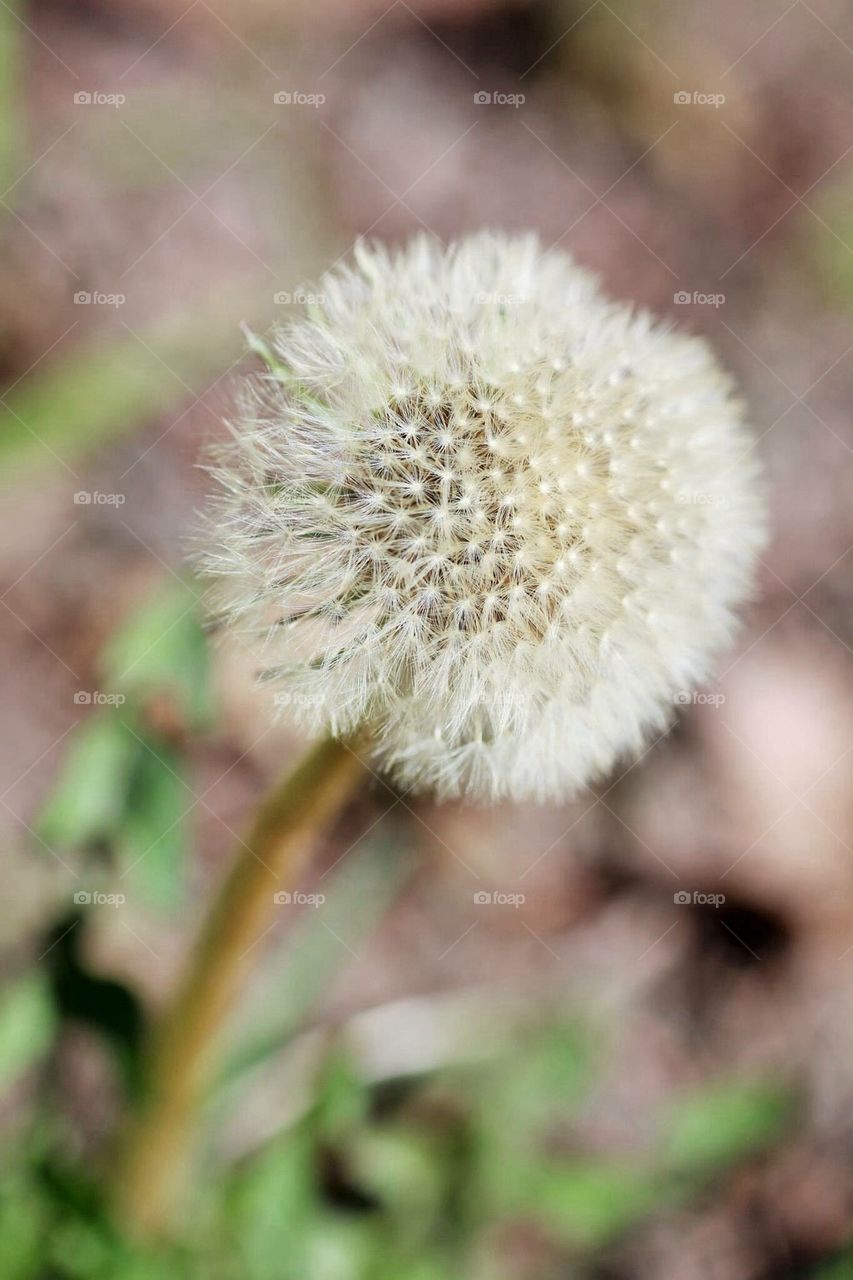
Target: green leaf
<point>271,1206</point>
<point>547,1076</point>
<point>87,801</point>
<point>839,1269</point>
<point>343,1249</point>
<point>723,1124</point>
<point>79,1249</point>
<point>161,648</point>
<point>280,372</point>
<point>342,1099</point>
<point>515,1103</point>
<point>833,249</point>
<point>392,1267</point>
<point>429,1268</point>
<point>12,114</point>
<point>261,348</point>
<point>23,1224</point>
<point>27,1025</point>
<point>590,1202</point>
<point>152,834</point>
<point>405,1168</point>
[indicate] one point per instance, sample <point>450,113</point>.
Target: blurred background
<point>602,1041</point>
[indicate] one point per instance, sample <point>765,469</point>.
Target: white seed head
<point>480,510</point>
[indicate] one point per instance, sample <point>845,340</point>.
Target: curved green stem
<point>154,1152</point>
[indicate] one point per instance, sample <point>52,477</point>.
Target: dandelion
<point>479,510</point>
<point>484,519</point>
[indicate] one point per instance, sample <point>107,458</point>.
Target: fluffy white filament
<point>476,507</point>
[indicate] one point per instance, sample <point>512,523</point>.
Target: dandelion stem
<point>153,1156</point>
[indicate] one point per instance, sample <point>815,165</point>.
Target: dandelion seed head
<point>480,510</point>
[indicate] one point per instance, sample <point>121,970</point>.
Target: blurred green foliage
<point>27,1025</point>
<point>122,785</point>
<point>11,118</point>
<point>832,245</point>
<point>840,1269</point>
<point>720,1124</point>
<point>419,1179</point>
<point>162,649</point>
